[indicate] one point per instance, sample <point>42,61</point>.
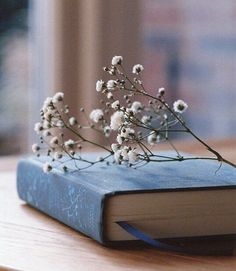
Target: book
<point>164,200</point>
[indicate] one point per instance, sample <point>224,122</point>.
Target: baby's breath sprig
<point>136,119</point>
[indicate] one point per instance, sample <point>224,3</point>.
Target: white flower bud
<point>136,107</point>
<point>115,147</point>
<point>107,131</point>
<point>100,85</point>
<point>46,104</point>
<point>137,68</point>
<point>69,144</point>
<point>38,127</point>
<point>124,153</point>
<point>109,95</point>
<point>117,156</point>
<point>96,115</point>
<point>161,91</point>
<point>180,106</point>
<point>72,121</point>
<point>47,115</point>
<point>152,138</point>
<point>58,97</point>
<point>111,84</point>
<point>119,139</point>
<point>133,156</point>
<point>54,141</point>
<point>46,133</point>
<point>116,60</point>
<point>46,124</point>
<point>117,119</point>
<point>35,148</point>
<point>60,124</point>
<point>115,105</point>
<point>145,119</point>
<point>47,167</point>
<point>127,132</point>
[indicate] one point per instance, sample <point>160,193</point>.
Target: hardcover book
<point>164,200</point>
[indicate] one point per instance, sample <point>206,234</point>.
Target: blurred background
<point>188,47</point>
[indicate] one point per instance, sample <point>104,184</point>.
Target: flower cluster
<point>130,118</point>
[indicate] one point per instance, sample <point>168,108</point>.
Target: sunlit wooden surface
<point>30,240</point>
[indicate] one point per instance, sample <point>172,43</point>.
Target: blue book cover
<point>78,198</point>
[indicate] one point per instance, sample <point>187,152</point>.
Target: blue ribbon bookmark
<point>164,246</point>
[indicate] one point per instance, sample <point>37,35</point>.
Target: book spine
<point>62,197</point>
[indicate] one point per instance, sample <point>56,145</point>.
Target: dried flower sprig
<point>137,118</point>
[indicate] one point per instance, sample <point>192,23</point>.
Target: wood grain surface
<point>30,240</point>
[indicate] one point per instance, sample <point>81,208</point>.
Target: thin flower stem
<point>143,147</point>
<point>79,135</point>
<point>164,156</point>
<point>87,140</point>
<point>180,159</point>
<point>188,130</point>
<point>173,146</point>
<point>123,73</point>
<point>91,163</point>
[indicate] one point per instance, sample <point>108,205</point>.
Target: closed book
<point>164,200</point>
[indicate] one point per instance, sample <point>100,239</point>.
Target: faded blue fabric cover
<point>77,198</point>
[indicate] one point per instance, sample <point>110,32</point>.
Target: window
<point>190,48</point>
<point>13,75</point>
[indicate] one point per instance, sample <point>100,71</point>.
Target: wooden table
<point>30,240</point>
